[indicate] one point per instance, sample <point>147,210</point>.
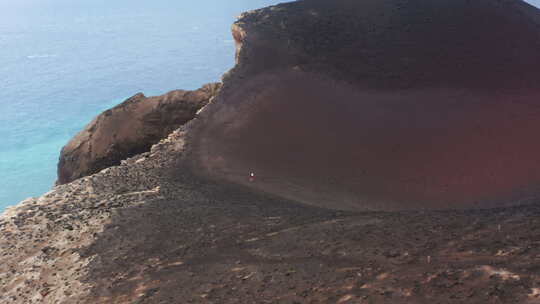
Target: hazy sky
<point>534,2</point>
<point>7,3</point>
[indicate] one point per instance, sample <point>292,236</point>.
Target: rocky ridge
<point>135,232</point>
<point>380,105</point>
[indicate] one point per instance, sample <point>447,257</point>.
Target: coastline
<point>174,225</point>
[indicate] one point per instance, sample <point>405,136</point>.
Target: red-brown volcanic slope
<point>381,104</point>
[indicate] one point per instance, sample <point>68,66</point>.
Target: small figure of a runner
<point>251,177</point>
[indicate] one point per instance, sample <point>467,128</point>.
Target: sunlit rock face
<point>380,104</point>
<point>128,129</point>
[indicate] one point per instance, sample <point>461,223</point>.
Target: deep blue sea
<point>62,62</point>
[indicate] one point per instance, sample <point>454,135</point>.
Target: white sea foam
<point>40,56</point>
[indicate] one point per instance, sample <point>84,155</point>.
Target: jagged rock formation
<point>156,229</point>
<point>129,129</point>
<point>381,105</point>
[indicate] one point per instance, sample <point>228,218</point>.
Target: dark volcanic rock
<point>380,104</point>
<point>128,129</point>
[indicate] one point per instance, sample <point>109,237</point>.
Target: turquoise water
<point>63,62</point>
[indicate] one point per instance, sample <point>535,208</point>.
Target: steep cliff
<point>129,129</point>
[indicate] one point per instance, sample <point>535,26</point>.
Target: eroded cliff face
<point>129,129</point>
<point>380,105</point>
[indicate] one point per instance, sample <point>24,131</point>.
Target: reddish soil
<point>381,105</point>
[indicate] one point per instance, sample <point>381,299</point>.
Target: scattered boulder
<point>129,129</point>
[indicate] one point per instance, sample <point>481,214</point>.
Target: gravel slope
<point>150,232</point>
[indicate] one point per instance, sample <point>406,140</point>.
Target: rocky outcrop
<point>128,129</point>
<point>380,104</point>
<point>182,223</point>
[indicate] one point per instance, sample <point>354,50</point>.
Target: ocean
<point>62,62</point>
